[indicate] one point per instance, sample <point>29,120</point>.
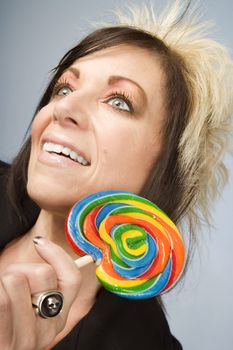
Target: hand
<point>20,327</point>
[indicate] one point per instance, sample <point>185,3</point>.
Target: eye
<point>63,90</point>
<point>62,87</point>
<point>121,101</point>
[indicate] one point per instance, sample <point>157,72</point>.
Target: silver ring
<point>48,304</point>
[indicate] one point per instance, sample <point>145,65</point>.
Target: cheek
<point>40,122</point>
<point>116,146</point>
<point>127,157</point>
<point>134,145</point>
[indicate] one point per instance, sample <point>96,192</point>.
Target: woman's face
<point>100,130</point>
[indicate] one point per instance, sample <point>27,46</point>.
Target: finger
<point>6,329</point>
<point>40,277</point>
<point>23,317</point>
<point>68,275</point>
<point>30,331</point>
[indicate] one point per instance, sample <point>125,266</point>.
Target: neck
<point>52,226</point>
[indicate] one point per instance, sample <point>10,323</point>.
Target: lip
<point>66,143</point>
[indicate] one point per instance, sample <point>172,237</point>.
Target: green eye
<point>119,103</point>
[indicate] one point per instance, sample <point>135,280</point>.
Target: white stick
<point>84,260</point>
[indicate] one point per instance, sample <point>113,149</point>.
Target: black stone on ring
<point>48,304</point>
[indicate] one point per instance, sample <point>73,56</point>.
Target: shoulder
<point>11,225</point>
<point>118,323</point>
<point>5,217</point>
<point>4,167</point>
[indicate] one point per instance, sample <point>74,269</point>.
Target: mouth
<point>66,152</point>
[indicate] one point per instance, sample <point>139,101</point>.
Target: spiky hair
<point>209,77</point>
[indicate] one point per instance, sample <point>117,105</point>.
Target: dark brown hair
<point>165,185</point>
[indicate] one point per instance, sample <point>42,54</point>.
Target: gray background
<point>33,36</point>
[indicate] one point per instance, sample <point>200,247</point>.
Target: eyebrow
<point>112,79</point>
<point>74,70</point>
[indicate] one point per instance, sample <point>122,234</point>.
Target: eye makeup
<point>123,95</point>
<point>62,82</point>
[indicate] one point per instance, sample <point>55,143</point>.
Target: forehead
<point>139,64</point>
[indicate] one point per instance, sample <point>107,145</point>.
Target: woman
<point>139,107</point>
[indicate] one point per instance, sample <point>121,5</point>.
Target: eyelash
<point>63,82</point>
<point>125,97</point>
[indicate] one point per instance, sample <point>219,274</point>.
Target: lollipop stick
<point>84,260</point>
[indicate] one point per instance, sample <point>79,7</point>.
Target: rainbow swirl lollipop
<point>138,249</point>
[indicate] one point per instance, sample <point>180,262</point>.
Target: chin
<point>49,196</point>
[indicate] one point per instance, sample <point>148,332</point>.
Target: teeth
<point>84,162</point>
<point>48,147</point>
<point>73,155</point>
<point>66,151</point>
<point>56,148</point>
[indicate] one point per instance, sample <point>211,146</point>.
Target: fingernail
<point>38,240</point>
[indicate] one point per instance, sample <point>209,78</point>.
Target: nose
<point>70,111</point>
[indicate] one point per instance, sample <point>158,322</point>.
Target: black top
<point>113,323</point>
